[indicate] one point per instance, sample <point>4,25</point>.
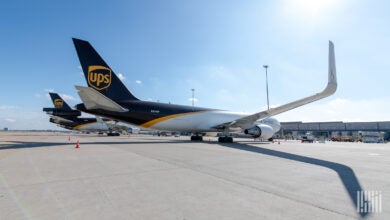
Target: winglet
<point>332,78</point>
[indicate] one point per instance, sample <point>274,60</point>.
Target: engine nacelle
<point>260,131</point>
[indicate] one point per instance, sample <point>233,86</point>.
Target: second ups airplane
<point>66,117</point>
<point>108,97</point>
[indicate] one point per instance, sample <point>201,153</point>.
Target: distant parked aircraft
<point>68,118</point>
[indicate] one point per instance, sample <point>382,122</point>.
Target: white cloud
<point>63,96</point>
<point>7,107</point>
<point>138,82</point>
<point>121,76</point>
<point>340,110</point>
<point>49,90</point>
<point>68,97</point>
<point>195,99</point>
<point>20,119</point>
<point>10,120</point>
<point>81,72</point>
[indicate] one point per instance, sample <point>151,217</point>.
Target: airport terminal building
<point>337,131</point>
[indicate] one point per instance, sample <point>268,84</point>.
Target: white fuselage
<point>206,121</point>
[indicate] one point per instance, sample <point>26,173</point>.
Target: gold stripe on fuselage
<point>83,125</point>
<point>158,120</point>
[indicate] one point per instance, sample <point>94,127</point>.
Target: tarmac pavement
<point>43,176</point>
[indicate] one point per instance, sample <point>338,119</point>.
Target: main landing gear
<point>225,139</point>
<point>113,134</point>
<point>196,138</point>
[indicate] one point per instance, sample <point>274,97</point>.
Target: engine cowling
<point>260,131</point>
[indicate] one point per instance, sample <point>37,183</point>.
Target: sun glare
<point>315,10</point>
<point>314,7</point>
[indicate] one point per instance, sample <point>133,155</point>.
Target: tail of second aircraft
<point>58,102</point>
<point>61,108</point>
<point>99,75</point>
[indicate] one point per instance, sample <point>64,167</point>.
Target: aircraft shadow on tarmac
<point>346,174</point>
<point>22,144</point>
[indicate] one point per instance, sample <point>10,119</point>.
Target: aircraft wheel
<point>113,134</point>
<point>225,139</point>
<point>196,138</point>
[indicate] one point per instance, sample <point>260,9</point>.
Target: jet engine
<point>260,131</point>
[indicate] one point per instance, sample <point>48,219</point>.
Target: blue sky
<point>165,48</point>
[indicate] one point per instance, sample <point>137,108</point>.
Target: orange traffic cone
<point>78,144</point>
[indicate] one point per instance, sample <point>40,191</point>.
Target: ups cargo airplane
<point>108,97</point>
<point>68,118</point>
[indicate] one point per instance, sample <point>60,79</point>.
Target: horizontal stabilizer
<point>58,119</point>
<point>93,99</point>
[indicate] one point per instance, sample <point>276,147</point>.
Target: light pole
<point>193,90</point>
<point>266,83</point>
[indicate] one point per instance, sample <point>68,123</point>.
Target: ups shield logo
<point>58,103</point>
<point>99,77</point>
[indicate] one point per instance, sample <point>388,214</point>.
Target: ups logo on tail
<point>99,77</point>
<point>58,103</point>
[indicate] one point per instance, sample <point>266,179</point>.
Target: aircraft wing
<point>58,119</point>
<point>93,99</point>
<point>247,121</point>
